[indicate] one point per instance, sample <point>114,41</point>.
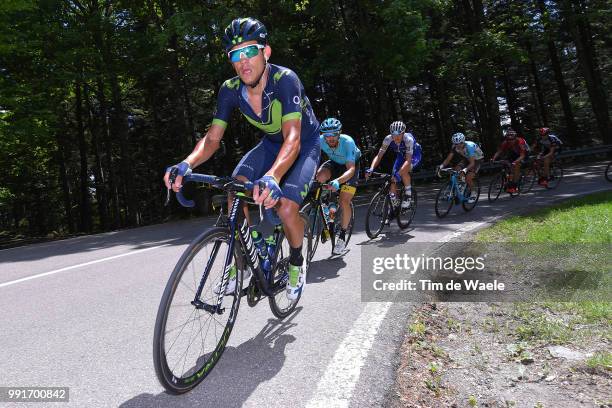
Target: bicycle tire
<point>445,195</point>
<point>496,186</point>
<point>380,199</point>
<point>174,382</point>
<point>556,174</point>
<point>527,180</point>
<point>467,207</point>
<point>313,215</point>
<point>405,216</point>
<point>279,273</point>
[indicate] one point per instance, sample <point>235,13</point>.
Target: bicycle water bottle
<point>326,235</point>
<point>271,246</point>
<point>332,211</point>
<point>259,243</point>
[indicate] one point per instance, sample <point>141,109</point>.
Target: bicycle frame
<point>455,188</point>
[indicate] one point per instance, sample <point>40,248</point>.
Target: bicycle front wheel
<point>406,215</point>
<point>556,174</point>
<point>191,334</point>
<point>496,187</point>
<point>378,212</point>
<point>338,223</point>
<point>280,306</point>
<point>444,200</point>
<point>315,223</point>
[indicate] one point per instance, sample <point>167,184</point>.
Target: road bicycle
<point>535,171</point>
<point>323,221</point>
<point>382,209</point>
<point>196,316</point>
<point>501,181</point>
<point>455,191</point>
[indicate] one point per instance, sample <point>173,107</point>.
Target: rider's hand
<point>368,173</point>
<point>270,192</point>
<point>178,171</point>
<point>335,184</point>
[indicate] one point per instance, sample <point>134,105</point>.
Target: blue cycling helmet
<point>331,125</point>
<point>242,30</point>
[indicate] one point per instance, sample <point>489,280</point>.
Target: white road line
<point>338,382</point>
<point>68,268</point>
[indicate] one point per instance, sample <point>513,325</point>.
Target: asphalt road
<point>80,313</point>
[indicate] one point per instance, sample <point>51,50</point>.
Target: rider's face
<point>250,69</point>
<point>398,138</point>
<point>332,141</point>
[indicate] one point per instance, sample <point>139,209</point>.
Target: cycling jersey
<point>406,146</point>
<point>469,150</point>
<point>516,146</point>
<point>549,141</point>
<point>346,151</point>
<point>283,99</point>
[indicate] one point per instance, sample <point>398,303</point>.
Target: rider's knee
<point>287,209</point>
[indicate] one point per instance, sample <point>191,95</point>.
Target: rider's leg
<point>404,173</point>
<point>346,196</point>
<point>547,161</point>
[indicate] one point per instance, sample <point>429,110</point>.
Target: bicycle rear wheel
<point>556,174</point>
<point>468,193</point>
<point>496,187</point>
<point>189,338</point>
<point>527,180</point>
<point>279,304</point>
<point>313,216</point>
<point>406,215</point>
<point>377,214</point>
<point>444,200</point>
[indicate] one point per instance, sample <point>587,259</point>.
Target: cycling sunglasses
<point>244,52</point>
<point>330,135</point>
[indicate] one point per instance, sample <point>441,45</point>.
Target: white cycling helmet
<point>458,138</point>
<point>397,127</point>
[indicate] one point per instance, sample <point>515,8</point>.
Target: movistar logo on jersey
<point>304,193</point>
<point>273,123</point>
<point>280,74</point>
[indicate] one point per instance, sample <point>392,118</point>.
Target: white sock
<point>408,190</point>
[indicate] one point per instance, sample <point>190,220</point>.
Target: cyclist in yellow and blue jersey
<point>343,168</point>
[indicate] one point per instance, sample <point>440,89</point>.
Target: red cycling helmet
<point>544,131</point>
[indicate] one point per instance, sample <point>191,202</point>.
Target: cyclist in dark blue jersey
<point>548,146</point>
<point>272,99</point>
<point>408,156</point>
<point>343,167</point>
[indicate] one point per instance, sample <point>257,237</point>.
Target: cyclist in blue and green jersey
<point>342,167</point>
<point>471,160</point>
<point>548,147</point>
<point>408,156</point>
<point>272,99</point>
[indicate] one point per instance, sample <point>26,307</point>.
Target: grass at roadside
<point>584,228</point>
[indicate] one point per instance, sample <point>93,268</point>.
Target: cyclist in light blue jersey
<point>271,98</point>
<point>408,156</point>
<point>342,167</point>
<point>471,160</point>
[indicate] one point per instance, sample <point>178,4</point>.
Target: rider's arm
<point>206,147</point>
<point>472,163</point>
<point>348,174</point>
<point>497,153</point>
<point>553,148</point>
<point>448,159</point>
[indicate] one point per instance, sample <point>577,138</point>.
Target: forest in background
<point>97,97</point>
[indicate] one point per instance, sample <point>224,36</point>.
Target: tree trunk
<point>579,29</point>
<point>63,174</point>
<point>511,102</point>
<point>538,87</point>
<point>85,206</point>
<point>572,130</point>
<point>101,195</point>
